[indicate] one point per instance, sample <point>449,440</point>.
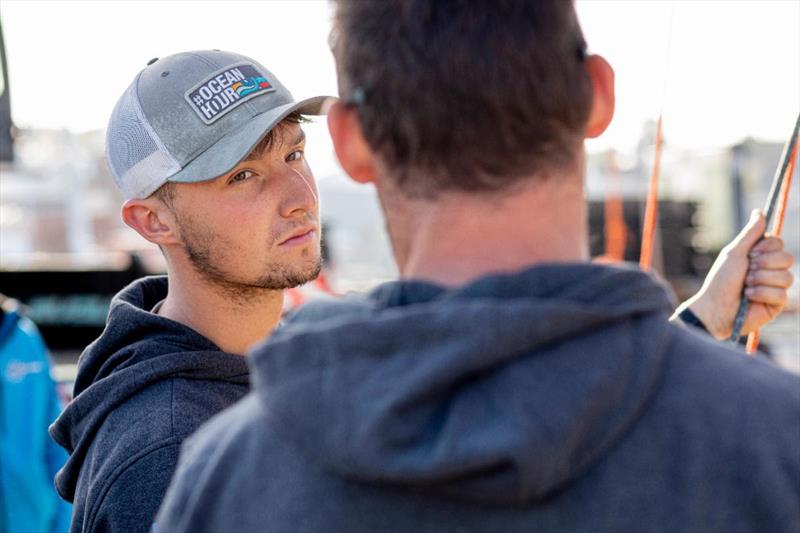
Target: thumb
<point>751,233</point>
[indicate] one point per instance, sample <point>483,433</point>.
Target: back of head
<point>461,95</point>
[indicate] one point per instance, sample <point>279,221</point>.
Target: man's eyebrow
<point>301,136</point>
<point>268,143</point>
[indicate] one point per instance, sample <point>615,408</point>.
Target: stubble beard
<point>204,252</point>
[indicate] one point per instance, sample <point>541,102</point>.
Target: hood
<point>503,390</point>
<point>136,349</point>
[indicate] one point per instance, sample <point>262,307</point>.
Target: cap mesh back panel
<point>128,140</point>
<point>139,162</point>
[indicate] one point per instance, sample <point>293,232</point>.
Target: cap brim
<point>230,150</point>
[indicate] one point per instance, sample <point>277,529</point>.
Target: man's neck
<point>233,324</point>
<point>461,237</point>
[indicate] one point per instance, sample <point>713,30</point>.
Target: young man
<point>207,149</point>
<point>505,383</point>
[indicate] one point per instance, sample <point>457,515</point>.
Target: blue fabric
<point>29,460</point>
<point>559,398</point>
<point>142,387</point>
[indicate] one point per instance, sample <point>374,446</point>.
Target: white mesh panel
<point>142,179</point>
<point>139,162</point>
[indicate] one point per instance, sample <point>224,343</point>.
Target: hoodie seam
<point>119,471</point>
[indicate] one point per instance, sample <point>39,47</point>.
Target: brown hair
<point>270,138</point>
<point>464,95</point>
<point>166,193</point>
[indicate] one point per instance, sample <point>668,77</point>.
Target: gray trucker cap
<point>193,116</point>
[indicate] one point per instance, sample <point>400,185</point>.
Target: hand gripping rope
<point>775,208</point>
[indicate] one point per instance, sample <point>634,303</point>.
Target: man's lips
<point>300,236</point>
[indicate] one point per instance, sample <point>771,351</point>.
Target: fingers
<point>781,279</point>
<point>769,277</point>
<point>750,234</point>
<point>771,296</point>
<point>780,260</point>
<point>767,244</point>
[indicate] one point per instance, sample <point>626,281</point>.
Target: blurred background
<point>725,74</point>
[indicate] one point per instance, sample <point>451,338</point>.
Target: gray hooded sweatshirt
<point>554,399</point>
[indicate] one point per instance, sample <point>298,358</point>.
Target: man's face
<point>257,226</point>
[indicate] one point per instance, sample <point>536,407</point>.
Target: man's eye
<point>241,176</point>
<point>297,155</point>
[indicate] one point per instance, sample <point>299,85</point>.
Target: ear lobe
<point>150,219</point>
<point>349,144</point>
<point>603,99</point>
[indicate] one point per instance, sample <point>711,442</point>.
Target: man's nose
<point>301,194</point>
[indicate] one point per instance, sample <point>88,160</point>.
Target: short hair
<point>464,95</point>
<point>166,193</point>
<point>270,138</point>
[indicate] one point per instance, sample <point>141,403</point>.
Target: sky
<point>719,70</point>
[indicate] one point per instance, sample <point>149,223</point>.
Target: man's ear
<point>602,76</point>
<point>349,144</point>
<point>151,219</point>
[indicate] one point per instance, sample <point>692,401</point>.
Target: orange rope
<point>615,229</point>
<point>616,232</point>
<point>777,228</point>
<point>752,342</point>
<point>780,213</point>
<point>651,209</point>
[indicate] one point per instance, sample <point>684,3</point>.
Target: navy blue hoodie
<point>142,387</point>
<point>555,399</point>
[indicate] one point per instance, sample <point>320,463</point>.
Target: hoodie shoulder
<point>732,419</point>
<point>208,460</point>
<point>135,452</point>
<point>166,411</point>
<point>242,453</point>
<point>142,478</point>
<point>713,392</point>
<point>722,380</point>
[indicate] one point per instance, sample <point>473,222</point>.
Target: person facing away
<point>207,149</point>
<point>504,383</point>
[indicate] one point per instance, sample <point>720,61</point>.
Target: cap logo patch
<point>225,90</point>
